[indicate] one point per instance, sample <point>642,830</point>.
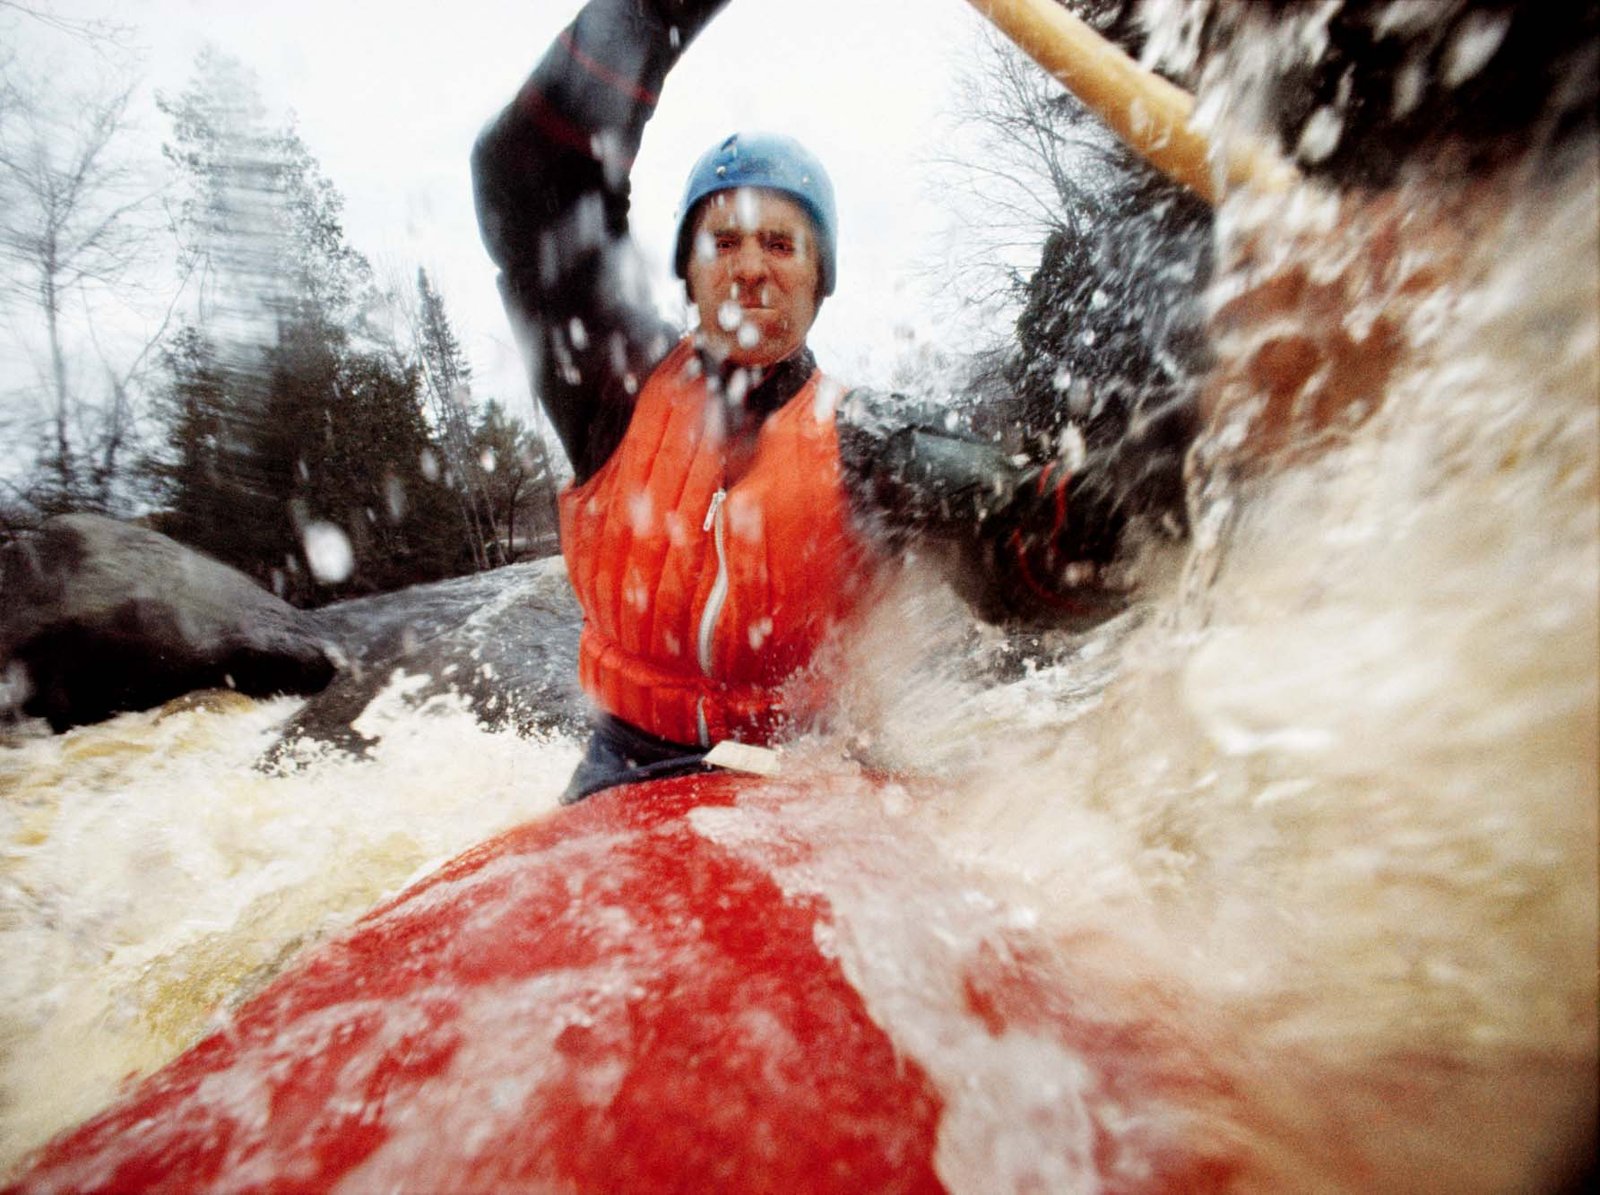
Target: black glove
<point>1045,551</point>
<point>1051,546</point>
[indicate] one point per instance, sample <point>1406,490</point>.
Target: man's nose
<point>750,261</point>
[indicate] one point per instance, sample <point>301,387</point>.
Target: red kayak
<point>620,998</point>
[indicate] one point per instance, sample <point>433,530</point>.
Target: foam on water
<point>153,877</point>
<point>1339,785</point>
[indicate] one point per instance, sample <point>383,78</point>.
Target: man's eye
<point>727,243</point>
<point>783,246</point>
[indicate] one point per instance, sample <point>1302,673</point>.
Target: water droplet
<point>328,553</point>
<point>641,513</point>
<point>1320,136</point>
<point>1139,119</point>
<point>1405,17</point>
<point>827,399</point>
<point>1409,84</point>
<point>1079,572</point>
<point>1072,450</point>
<point>1474,43</point>
<point>745,208</point>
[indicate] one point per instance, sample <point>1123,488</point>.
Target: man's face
<point>753,275</point>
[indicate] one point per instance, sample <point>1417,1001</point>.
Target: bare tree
<point>446,382</point>
<point>1099,258</point>
<point>519,482</point>
<point>1028,162</point>
<point>100,34</point>
<point>79,228</point>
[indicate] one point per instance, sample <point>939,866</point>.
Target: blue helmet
<point>770,161</point>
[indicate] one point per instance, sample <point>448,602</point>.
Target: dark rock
<point>504,641</point>
<point>102,616</point>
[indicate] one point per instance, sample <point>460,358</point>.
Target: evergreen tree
<point>447,379</point>
<point>361,464</point>
<point>520,480</point>
<point>287,426</point>
<point>199,434</point>
<point>261,220</point>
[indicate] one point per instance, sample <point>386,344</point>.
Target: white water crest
<point>1331,802</point>
<point>152,877</point>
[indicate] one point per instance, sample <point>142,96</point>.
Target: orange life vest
<point>704,603</point>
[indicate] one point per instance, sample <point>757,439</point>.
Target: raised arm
<point>551,180</point>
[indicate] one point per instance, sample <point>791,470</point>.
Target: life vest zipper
<point>719,595</point>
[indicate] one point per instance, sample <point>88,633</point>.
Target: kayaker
<point>731,506</point>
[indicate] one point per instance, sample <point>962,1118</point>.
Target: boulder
<point>101,616</point>
<point>503,642</point>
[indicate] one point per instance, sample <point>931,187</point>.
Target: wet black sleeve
<point>1022,539</point>
<point>550,178</point>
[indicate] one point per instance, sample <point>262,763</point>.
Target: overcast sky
<point>390,95</point>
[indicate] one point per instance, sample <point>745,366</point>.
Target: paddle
<point>1151,114</point>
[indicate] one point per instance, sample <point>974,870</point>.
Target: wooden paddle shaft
<point>1145,110</point>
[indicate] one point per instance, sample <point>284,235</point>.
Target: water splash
<point>152,878</point>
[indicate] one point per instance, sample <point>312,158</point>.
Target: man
<point>728,511</point>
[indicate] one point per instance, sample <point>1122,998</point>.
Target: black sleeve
<point>1021,539</point>
<point>550,177</point>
